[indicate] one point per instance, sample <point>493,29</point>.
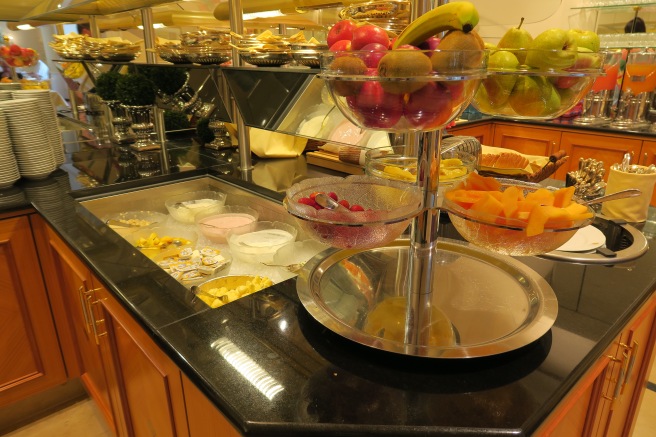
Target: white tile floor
<point>83,419</point>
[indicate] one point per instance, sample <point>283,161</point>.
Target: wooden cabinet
<point>604,403</point>
<point>30,357</point>
<point>136,386</point>
<point>151,385</point>
<point>70,281</point>
<point>607,148</point>
<point>527,139</point>
<point>482,132</point>
<point>648,157</point>
<point>203,417</point>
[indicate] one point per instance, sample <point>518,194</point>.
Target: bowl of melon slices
<point>514,218</point>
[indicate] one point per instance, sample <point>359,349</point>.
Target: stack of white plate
<point>8,167</point>
<point>49,114</point>
<point>5,95</point>
<point>10,86</point>
<point>29,138</point>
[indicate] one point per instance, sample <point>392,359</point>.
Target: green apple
<point>553,49</point>
<point>516,38</point>
<point>499,86</point>
<point>585,39</point>
<point>533,96</point>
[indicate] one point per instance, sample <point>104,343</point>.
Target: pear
<point>516,38</point>
<point>499,86</point>
<point>533,96</point>
<point>553,49</point>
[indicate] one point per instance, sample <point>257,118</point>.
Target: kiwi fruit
<point>348,66</point>
<point>404,63</point>
<point>462,51</point>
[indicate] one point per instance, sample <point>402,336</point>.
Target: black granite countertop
<point>318,383</point>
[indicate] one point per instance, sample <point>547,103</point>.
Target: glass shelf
<point>609,6</point>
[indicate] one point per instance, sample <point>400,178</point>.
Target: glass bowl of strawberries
<point>355,212</point>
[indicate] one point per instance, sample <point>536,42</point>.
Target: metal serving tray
<point>494,303</point>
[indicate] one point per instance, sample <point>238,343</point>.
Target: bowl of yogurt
<point>185,207</point>
<point>215,225</point>
<point>262,242</point>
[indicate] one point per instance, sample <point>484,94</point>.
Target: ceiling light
<point>264,14</point>
<point>24,27</point>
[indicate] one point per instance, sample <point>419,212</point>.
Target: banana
<point>460,15</point>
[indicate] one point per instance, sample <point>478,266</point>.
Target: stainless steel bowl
<point>266,59</point>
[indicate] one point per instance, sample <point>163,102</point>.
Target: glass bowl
<point>510,236</point>
<point>554,84</point>
<point>216,225</point>
<point>260,244</point>
<point>387,208</point>
<point>394,163</point>
<point>126,222</point>
<point>184,207</point>
<point>442,88</point>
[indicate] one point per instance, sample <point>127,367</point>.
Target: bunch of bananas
<point>73,70</point>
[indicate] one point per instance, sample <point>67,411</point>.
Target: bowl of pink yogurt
<point>216,225</point>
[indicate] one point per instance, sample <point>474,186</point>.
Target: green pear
<point>585,39</point>
<point>553,102</point>
<point>532,96</point>
<point>516,38</point>
<point>553,49</point>
<point>481,102</point>
<point>499,86</point>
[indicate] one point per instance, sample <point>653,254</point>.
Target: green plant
<point>135,89</point>
<point>203,130</point>
<point>168,80</point>
<point>175,120</point>
<point>106,85</point>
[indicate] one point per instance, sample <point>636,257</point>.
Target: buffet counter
<point>319,382</point>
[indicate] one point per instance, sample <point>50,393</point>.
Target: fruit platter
<point>402,288</point>
<point>541,77</point>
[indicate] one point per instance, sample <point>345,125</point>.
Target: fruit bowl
<point>394,163</point>
<point>515,235</point>
<point>555,82</point>
<point>402,90</point>
<point>372,212</point>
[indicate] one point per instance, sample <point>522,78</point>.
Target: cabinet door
<point>150,383</point>
<point>636,348</point>
<point>527,140</point>
<point>30,358</point>
<point>606,148</point>
<point>482,132</point>
<point>69,278</point>
<point>203,417</point>
<point>648,157</point>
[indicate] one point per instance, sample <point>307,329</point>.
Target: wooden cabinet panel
<point>70,279</point>
<point>526,139</point>
<point>151,388</point>
<point>648,157</point>
<point>482,132</point>
<point>606,148</point>
<point>203,418</point>
<point>30,358</point>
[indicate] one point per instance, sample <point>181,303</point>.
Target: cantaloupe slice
<point>542,196</point>
<point>563,196</point>
<point>475,181</point>
<point>510,199</point>
<point>487,207</point>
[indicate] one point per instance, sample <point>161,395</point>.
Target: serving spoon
<point>630,192</point>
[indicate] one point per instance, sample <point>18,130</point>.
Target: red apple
<point>369,34</point>
<point>376,108</point>
<point>343,45</point>
<point>15,50</point>
<point>342,30</point>
<point>377,52</point>
<point>430,107</point>
<point>430,44</point>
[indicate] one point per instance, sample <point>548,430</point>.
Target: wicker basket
<point>555,161</point>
